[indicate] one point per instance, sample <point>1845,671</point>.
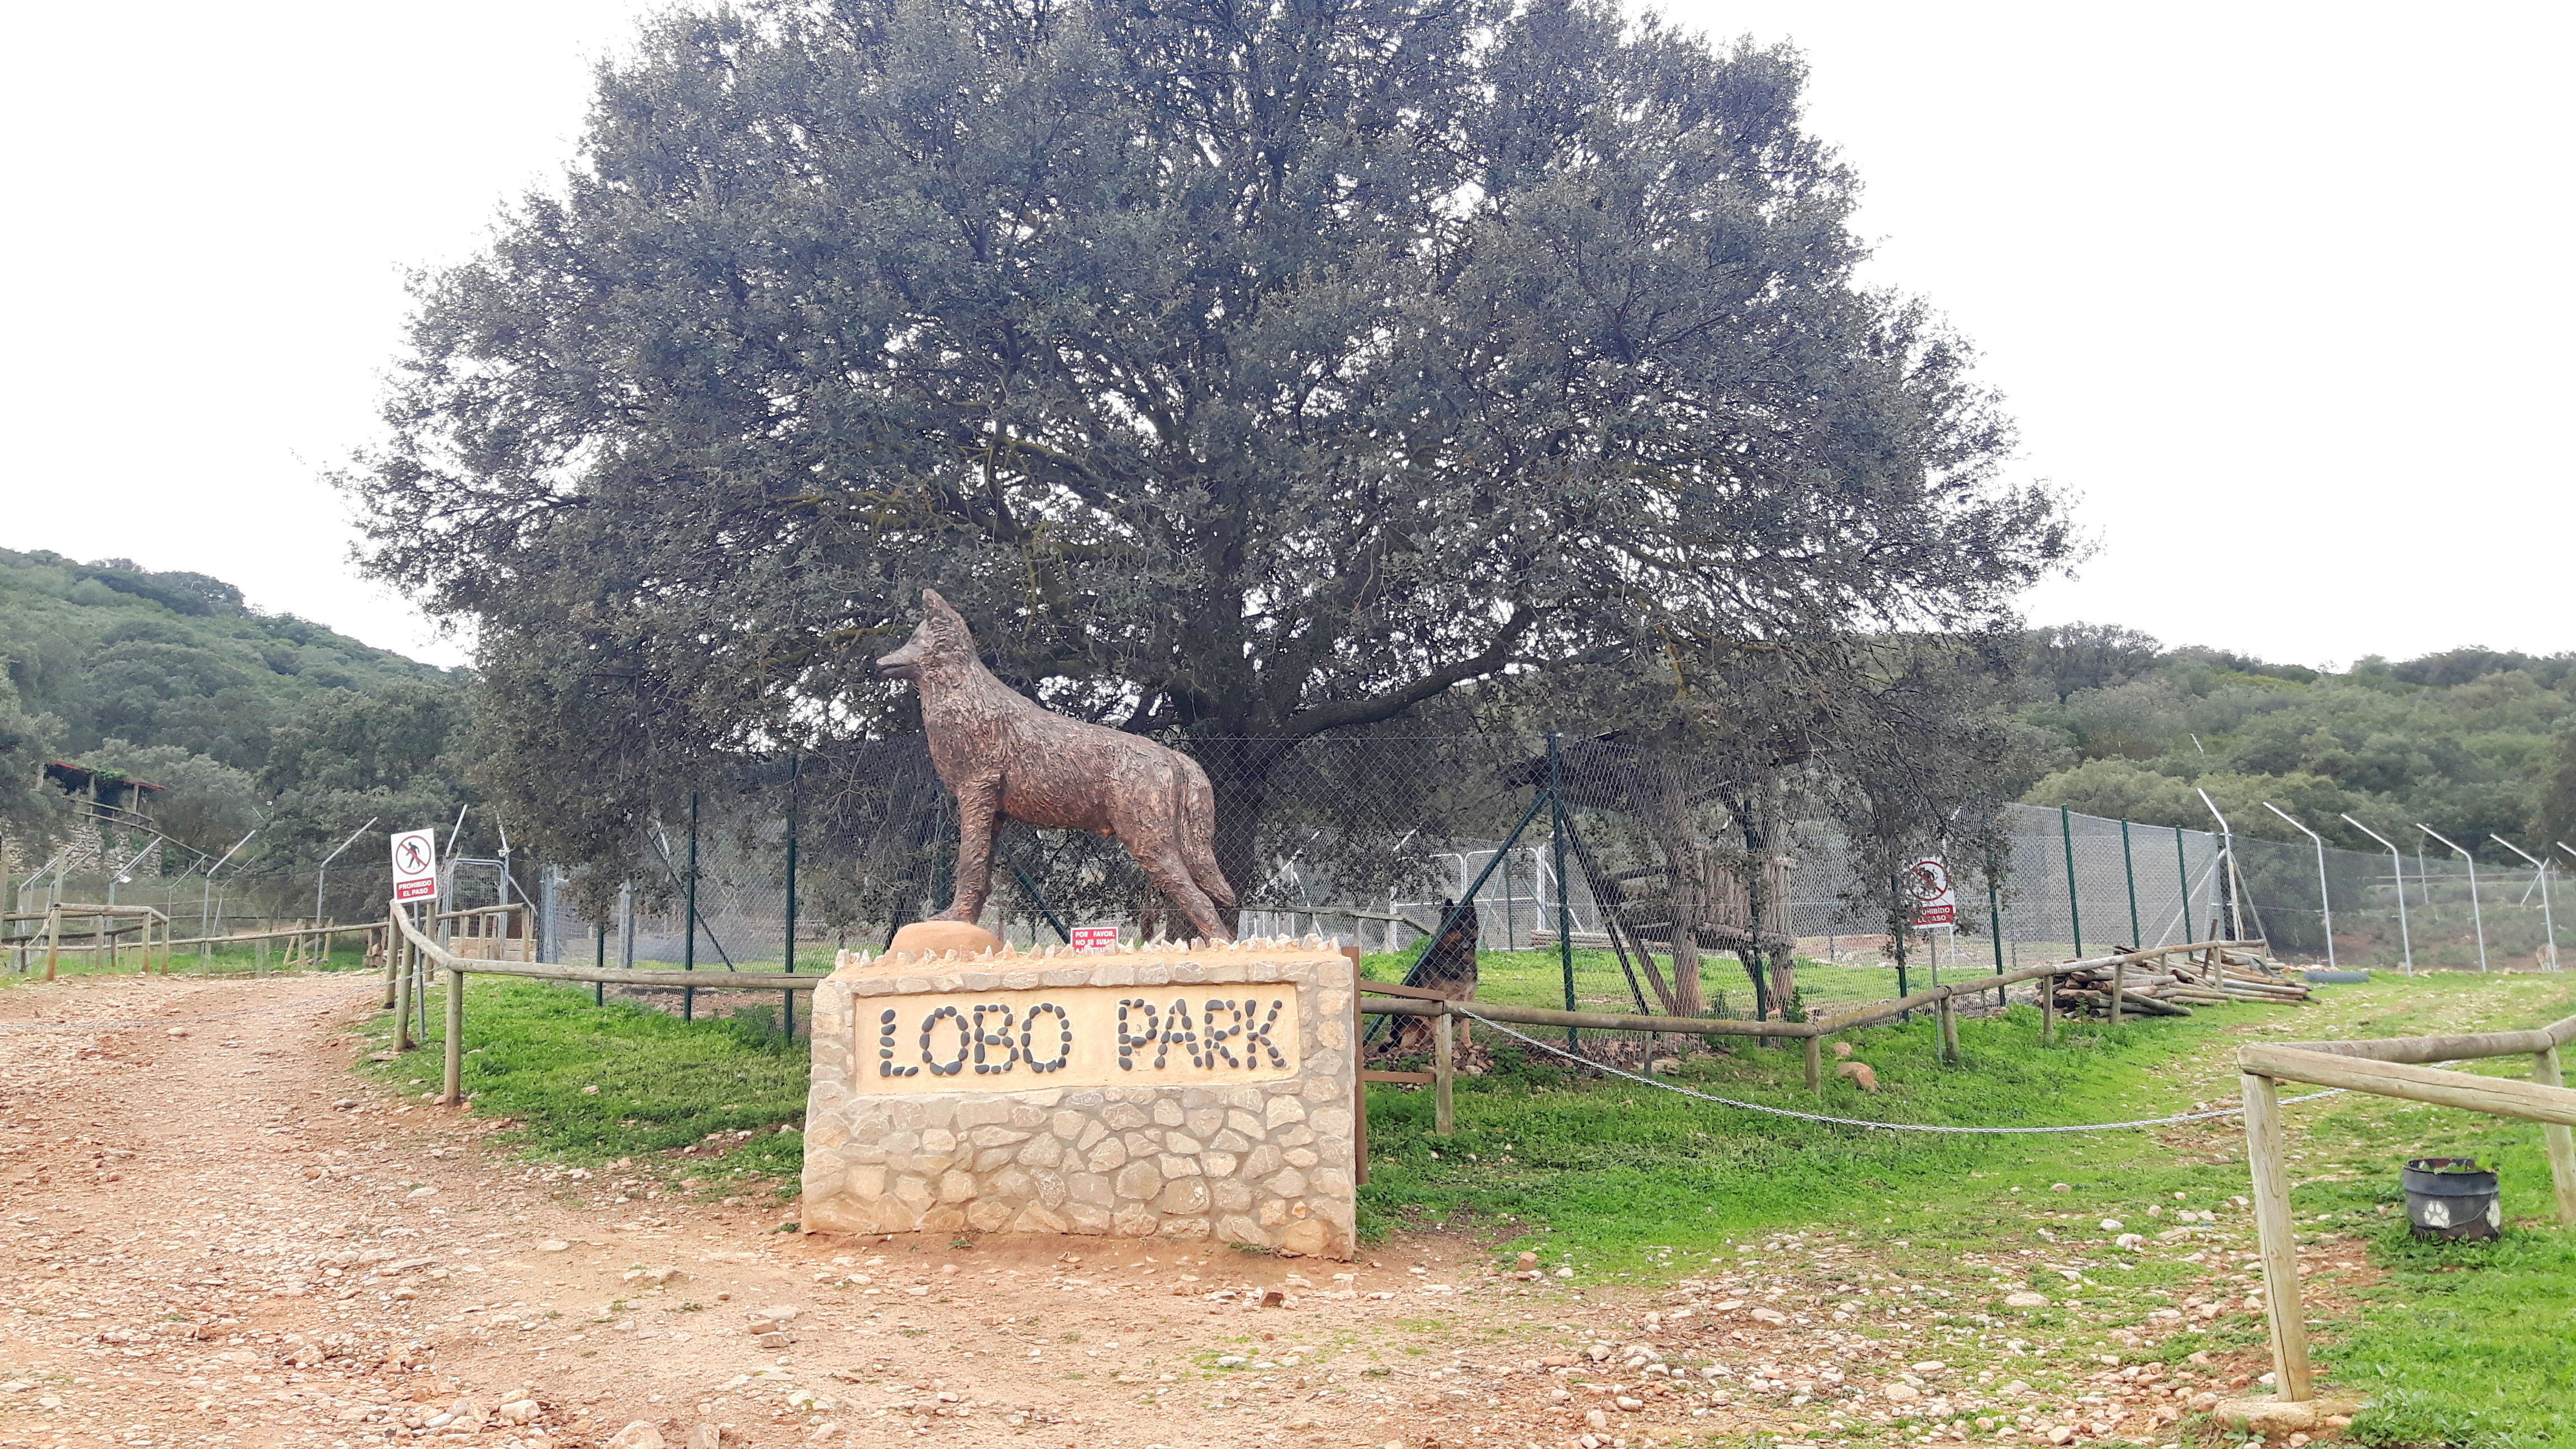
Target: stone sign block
<point>1200,1090</point>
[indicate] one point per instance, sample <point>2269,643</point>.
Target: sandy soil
<point>215,1236</point>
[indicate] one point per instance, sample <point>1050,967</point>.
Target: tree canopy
<point>1240,371</point>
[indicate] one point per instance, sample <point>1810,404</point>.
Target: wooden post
<point>259,961</point>
<point>1948,1013</point>
<point>402,1011</point>
<point>2119,989</point>
<point>1444,1063</point>
<point>53,938</point>
<point>1816,1065</point>
<point>1359,1091</point>
<point>2268,1160</point>
<point>2559,1139</point>
<point>2047,1009</point>
<point>454,1091</point>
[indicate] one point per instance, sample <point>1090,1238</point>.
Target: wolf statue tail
<point>1196,830</point>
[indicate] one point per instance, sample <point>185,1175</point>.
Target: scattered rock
<point>2025,1299</point>
<point>1628,1405</point>
<point>706,1436</point>
<point>1902,1393</point>
<point>1768,1315</point>
<point>2060,1187</point>
<point>178,1031</point>
<point>554,1245</point>
<point>638,1435</point>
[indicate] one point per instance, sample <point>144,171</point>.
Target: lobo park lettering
<point>1092,1036</point>
<point>1200,1091</point>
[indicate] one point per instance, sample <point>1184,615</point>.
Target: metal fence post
<point>1564,898</point>
<point>2397,868</point>
<point>2182,871</point>
<point>689,926</point>
<point>2074,903</point>
<point>787,999</point>
<point>2129,869</point>
<point>1995,917</point>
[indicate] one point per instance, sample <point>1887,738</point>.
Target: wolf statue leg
<point>1162,865</point>
<point>979,814</point>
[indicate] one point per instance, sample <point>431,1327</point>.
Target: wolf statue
<point>1000,754</point>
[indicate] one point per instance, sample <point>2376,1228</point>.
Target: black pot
<point>2451,1199</point>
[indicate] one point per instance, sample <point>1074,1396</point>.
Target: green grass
<point>717,1089</point>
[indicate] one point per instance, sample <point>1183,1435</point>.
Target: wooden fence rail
<point>2391,1067</point>
<point>414,953</point>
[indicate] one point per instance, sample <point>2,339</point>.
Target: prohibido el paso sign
<point>1078,1036</point>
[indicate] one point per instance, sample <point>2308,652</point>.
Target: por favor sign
<point>1191,1091</point>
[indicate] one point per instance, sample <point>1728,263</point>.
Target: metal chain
<point>1881,1126</point>
<point>113,1024</point>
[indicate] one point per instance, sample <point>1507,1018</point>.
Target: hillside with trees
<point>247,718</point>
<point>2470,741</point>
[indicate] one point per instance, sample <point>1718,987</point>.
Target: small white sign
<point>1094,938</point>
<point>416,865</point>
<point>1936,899</point>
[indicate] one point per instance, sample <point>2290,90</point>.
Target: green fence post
<point>2074,906</point>
<point>2182,868</point>
<point>689,926</point>
<point>2129,869</point>
<point>1564,897</point>
<point>787,999</point>
<point>1995,919</point>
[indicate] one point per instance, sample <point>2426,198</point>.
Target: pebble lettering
<point>996,1038</point>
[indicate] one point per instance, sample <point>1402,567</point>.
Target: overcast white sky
<point>2279,290</point>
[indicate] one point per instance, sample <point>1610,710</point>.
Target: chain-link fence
<point>1373,841</point>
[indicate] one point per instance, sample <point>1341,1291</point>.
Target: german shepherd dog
<point>1000,754</point>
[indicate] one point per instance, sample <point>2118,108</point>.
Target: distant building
<point>112,819</point>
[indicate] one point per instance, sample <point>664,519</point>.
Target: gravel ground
<point>217,1237</point>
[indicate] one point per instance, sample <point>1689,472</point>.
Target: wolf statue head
<point>941,647</point>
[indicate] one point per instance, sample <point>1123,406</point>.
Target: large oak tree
<point>1243,371</point>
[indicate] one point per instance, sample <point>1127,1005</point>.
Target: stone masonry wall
<point>1267,1163</point>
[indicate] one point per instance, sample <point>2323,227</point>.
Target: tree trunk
<point>1239,770</point>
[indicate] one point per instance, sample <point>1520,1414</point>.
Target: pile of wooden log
<point>2174,986</point>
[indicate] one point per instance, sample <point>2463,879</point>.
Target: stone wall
<point>1140,1115</point>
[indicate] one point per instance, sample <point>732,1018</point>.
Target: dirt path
<point>215,1236</point>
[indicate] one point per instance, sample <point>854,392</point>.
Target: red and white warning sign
<point>1094,938</point>
<point>416,865</point>
<point>1936,899</point>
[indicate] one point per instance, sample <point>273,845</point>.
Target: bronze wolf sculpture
<point>1000,754</point>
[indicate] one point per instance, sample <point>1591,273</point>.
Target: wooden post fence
<point>2390,1067</point>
